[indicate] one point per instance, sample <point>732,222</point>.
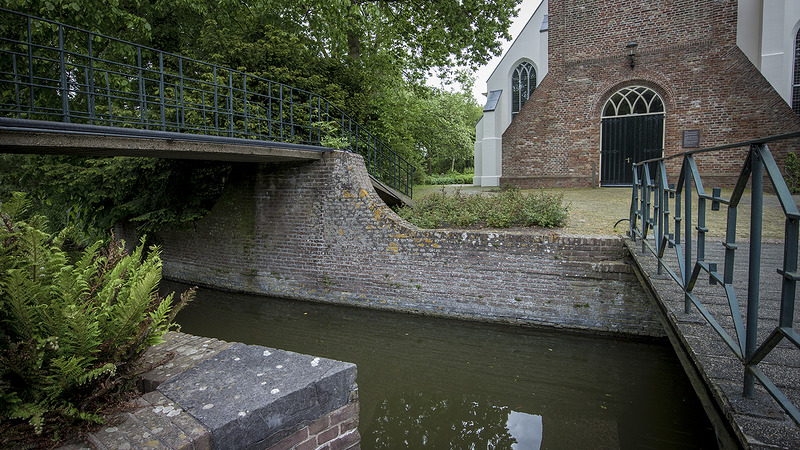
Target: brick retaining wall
<point>318,231</point>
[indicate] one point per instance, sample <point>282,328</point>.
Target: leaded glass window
<point>633,100</point>
<point>523,82</point>
<point>796,80</point>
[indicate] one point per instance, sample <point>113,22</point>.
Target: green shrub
<point>793,173</point>
<point>72,333</point>
<point>449,178</point>
<point>509,208</point>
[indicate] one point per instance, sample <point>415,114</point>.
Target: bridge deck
<point>756,422</point>
<point>43,137</point>
<point>35,136</point>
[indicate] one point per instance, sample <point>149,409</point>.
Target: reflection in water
<point>526,429</point>
<point>424,421</point>
<point>435,383</point>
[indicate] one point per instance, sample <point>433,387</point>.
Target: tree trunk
<point>353,35</point>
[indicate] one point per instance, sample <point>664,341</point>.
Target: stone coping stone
<point>250,396</point>
<point>259,395</point>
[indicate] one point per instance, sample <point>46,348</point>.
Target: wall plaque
<point>691,138</point>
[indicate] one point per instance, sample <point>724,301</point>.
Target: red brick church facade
<point>686,52</point>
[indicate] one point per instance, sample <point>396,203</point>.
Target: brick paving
<point>756,422</point>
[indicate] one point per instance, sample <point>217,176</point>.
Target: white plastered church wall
<point>531,46</point>
<point>766,34</point>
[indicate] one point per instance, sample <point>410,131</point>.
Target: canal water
<point>437,383</point>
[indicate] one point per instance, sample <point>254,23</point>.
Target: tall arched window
<point>796,80</point>
<point>523,82</point>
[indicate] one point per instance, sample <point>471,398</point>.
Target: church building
<point>591,86</point>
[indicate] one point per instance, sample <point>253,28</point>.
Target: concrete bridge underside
<point>43,137</point>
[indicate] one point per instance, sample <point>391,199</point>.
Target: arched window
<point>633,100</point>
<point>523,82</point>
<point>796,81</point>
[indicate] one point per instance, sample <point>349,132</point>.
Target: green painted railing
<point>55,72</point>
<point>650,218</point>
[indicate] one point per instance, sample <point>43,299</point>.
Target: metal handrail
<point>650,211</point>
<point>55,72</point>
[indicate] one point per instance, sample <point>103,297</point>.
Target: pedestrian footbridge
<point>727,306</point>
<point>70,91</point>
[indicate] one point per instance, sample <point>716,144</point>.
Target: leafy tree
<point>93,194</point>
<point>109,17</point>
<point>414,35</point>
<point>447,133</point>
<point>71,333</point>
<point>366,56</point>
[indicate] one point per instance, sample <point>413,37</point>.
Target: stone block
<point>250,394</point>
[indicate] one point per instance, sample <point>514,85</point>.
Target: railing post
<point>754,267</point>
<point>789,282</point>
<point>30,64</point>
<point>668,188</point>
<point>646,182</point>
<point>244,96</point>
<point>16,86</point>
<point>216,102</point>
<point>90,84</point>
<point>182,118</point>
<point>292,125</point>
<point>634,203</point>
<point>730,244</point>
<point>63,68</point>
<point>660,207</point>
<point>142,99</point>
<point>280,108</point>
<point>161,90</point>
<point>687,226</point>
<point>230,103</point>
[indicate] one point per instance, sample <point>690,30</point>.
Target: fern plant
<point>71,333</point>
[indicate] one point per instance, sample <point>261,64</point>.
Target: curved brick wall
<point>317,231</point>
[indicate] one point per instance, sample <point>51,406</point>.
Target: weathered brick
<point>310,444</point>
<point>291,441</point>
<point>318,231</point>
<point>345,413</point>
<point>346,441</point>
<point>328,435</point>
<point>319,425</point>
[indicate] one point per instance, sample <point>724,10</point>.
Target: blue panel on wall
<point>491,101</point>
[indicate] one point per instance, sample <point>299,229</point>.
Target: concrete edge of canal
<point>211,394</point>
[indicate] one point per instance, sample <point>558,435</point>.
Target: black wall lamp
<point>632,53</point>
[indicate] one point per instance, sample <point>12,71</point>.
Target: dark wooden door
<point>627,140</point>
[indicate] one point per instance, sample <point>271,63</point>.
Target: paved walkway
<point>756,422</point>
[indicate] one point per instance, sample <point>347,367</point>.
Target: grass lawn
<point>594,211</point>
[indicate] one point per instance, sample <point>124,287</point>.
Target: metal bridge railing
<point>650,222</point>
<point>51,71</point>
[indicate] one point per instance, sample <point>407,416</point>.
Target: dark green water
<point>436,383</point>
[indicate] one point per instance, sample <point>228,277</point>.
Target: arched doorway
<point>632,131</point>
